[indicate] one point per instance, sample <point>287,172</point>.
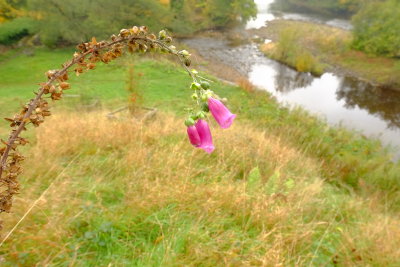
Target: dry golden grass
<point>254,202</point>
<point>246,85</point>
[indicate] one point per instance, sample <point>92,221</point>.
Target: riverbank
<point>139,194</point>
<point>326,49</point>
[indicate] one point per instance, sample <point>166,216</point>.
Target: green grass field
<point>282,188</point>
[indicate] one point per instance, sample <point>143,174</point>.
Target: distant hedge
<point>13,31</point>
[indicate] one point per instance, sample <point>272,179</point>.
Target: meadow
<point>282,188</point>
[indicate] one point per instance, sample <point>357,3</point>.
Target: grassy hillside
<point>281,187</point>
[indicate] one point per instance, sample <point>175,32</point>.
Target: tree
<point>377,28</point>
<point>76,20</point>
<point>11,9</point>
<point>72,21</point>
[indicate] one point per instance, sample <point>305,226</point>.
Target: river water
<point>265,14</point>
<point>340,100</point>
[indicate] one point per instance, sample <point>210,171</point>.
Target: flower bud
<point>188,62</point>
<point>195,86</point>
<point>162,35</point>
<point>204,107</point>
<point>201,115</point>
<point>184,53</point>
<point>194,117</point>
<point>194,96</point>
<point>209,93</point>
<point>190,122</point>
<point>205,85</point>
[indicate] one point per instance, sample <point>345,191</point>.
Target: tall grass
<point>282,188</point>
<point>140,195</point>
<point>289,52</point>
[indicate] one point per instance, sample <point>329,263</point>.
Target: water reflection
<point>286,81</point>
<point>348,102</point>
<point>268,11</point>
<point>380,102</point>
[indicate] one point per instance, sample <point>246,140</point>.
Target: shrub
<point>13,31</point>
<point>377,28</point>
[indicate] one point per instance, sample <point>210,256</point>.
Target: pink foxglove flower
<point>193,136</point>
<point>220,113</point>
<point>205,136</point>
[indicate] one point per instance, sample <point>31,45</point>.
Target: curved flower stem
<point>33,104</point>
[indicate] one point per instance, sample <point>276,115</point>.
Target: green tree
<point>76,20</point>
<point>377,28</point>
<point>206,14</point>
<point>10,9</point>
<point>336,7</point>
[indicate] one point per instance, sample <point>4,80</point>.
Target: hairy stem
<point>33,104</point>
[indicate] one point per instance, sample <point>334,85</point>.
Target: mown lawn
<point>281,188</point>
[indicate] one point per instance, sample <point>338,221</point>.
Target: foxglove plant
<point>194,137</point>
<point>134,40</point>
<point>208,102</point>
<point>220,113</point>
<point>204,132</point>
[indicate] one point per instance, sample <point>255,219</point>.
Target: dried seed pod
<point>135,30</point>
<point>91,66</point>
<point>64,86</point>
<point>52,89</point>
<point>124,33</point>
<point>50,73</point>
<point>81,47</point>
<point>152,37</point>
<point>143,29</point>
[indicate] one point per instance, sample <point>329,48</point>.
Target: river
<point>340,100</point>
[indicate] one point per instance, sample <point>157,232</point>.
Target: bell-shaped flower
<point>220,113</point>
<point>204,132</point>
<point>193,136</point>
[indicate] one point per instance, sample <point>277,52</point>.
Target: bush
<point>330,7</point>
<point>377,28</point>
<point>288,51</point>
<point>13,31</point>
<point>76,20</point>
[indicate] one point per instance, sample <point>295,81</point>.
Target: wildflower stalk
<point>136,40</point>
